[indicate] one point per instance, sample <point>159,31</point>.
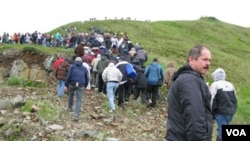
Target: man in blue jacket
<point>189,110</point>
<point>154,74</point>
<point>77,79</point>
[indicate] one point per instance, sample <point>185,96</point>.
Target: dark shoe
<point>70,110</point>
<point>75,118</point>
<point>121,106</point>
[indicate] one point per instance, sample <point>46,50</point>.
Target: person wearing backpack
<point>154,73</point>
<point>58,61</point>
<point>142,55</point>
<point>60,74</point>
<point>124,85</point>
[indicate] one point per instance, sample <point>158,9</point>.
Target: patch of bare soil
<point>28,56</point>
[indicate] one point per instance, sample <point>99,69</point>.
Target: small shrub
<point>22,82</point>
<point>28,106</point>
<point>31,49</point>
<point>15,81</point>
<point>16,130</point>
<point>46,110</point>
<point>31,83</point>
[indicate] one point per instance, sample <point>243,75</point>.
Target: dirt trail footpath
<point>134,122</point>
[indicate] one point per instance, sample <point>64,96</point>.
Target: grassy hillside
<point>171,40</point>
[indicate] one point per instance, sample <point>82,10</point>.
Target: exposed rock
<point>111,139</point>
<point>34,108</point>
<point>90,133</point>
<point>55,127</point>
<point>5,105</point>
<point>19,69</point>
<point>18,101</point>
<point>26,64</point>
<point>2,121</point>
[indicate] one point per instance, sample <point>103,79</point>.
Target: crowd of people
<point>100,62</point>
<point>106,58</point>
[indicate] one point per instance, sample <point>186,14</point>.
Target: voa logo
<point>236,132</point>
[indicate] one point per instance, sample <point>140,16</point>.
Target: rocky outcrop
<point>28,64</point>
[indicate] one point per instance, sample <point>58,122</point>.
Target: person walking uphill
<point>168,76</point>
<point>189,111</point>
<point>224,101</point>
<point>101,65</point>
<point>77,79</point>
<point>112,76</point>
<point>124,85</point>
<point>60,74</point>
<point>154,74</point>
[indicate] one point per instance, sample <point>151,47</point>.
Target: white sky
<point>45,15</point>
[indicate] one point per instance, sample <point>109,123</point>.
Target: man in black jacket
<point>189,110</point>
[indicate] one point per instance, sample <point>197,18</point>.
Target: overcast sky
<point>45,15</point>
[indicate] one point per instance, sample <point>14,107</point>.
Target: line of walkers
<point>107,74</point>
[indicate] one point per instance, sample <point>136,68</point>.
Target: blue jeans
<point>222,120</point>
<point>111,89</point>
<point>79,95</point>
<point>60,87</point>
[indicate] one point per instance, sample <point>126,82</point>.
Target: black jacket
<point>141,79</point>
<point>189,113</point>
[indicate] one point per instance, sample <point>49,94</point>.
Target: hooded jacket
<point>111,73</point>
<point>77,74</point>
<point>189,113</point>
<point>223,93</point>
<point>102,64</point>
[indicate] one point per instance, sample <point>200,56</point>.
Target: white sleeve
<point>213,90</point>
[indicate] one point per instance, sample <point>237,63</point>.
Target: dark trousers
<point>153,93</point>
<point>128,87</point>
<point>123,90</point>
<point>143,93</point>
<point>101,85</point>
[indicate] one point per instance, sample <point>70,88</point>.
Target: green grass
<point>171,40</point>
<point>15,81</point>
<point>46,110</point>
<point>19,81</point>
